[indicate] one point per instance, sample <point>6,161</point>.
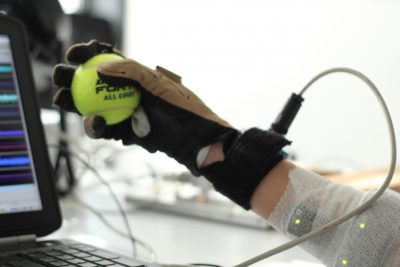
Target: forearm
<point>271,189</point>
<point>296,201</point>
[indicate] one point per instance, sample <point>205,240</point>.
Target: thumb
<point>95,126</point>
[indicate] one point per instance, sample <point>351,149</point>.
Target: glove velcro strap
<point>248,159</point>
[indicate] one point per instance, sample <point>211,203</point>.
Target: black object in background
<point>50,32</point>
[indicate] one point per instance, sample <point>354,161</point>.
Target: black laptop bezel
<point>48,219</point>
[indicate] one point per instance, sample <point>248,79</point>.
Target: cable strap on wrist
<point>247,160</point>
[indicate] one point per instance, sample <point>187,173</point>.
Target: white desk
<point>175,239</point>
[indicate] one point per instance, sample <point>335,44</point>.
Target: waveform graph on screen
<point>15,163</point>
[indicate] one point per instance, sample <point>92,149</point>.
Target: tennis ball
<point>92,96</point>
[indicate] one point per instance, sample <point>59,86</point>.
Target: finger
<point>95,127</point>
<point>160,83</point>
<point>82,52</point>
<point>126,72</point>
<point>63,99</point>
<point>62,75</point>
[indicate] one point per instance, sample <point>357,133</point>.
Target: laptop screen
<point>18,185</point>
<point>28,197</point>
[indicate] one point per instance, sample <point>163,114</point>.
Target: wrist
<point>235,169</point>
<point>271,189</point>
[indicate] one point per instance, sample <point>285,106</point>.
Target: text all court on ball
<point>118,96</point>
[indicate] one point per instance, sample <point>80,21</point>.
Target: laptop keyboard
<point>77,255</point>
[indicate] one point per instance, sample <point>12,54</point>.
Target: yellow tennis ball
<point>92,96</point>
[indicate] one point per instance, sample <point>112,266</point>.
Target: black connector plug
<point>287,115</point>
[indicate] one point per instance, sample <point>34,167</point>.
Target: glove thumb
<point>95,126</point>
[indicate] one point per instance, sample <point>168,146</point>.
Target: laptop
<point>29,207</point>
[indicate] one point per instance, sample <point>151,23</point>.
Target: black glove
<point>180,123</point>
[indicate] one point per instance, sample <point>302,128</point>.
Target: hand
<point>171,118</point>
<point>174,120</point>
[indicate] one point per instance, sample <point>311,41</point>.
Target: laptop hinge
<point>17,240</point>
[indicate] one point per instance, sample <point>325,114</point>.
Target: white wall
<point>244,58</point>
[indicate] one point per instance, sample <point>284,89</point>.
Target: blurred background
<point>244,59</point>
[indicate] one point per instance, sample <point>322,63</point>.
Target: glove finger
<point>95,127</point>
<point>63,99</point>
<point>160,82</point>
<point>127,72</point>
<point>62,75</point>
<point>82,52</point>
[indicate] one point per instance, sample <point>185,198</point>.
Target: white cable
<point>367,203</point>
<point>111,191</point>
<point>113,228</point>
<point>128,235</point>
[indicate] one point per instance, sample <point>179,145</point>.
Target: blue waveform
<point>4,85</point>
<point>9,113</point>
<point>14,161</point>
<point>7,98</point>
<point>12,133</point>
<point>5,69</point>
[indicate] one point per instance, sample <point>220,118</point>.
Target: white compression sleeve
<point>370,239</point>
